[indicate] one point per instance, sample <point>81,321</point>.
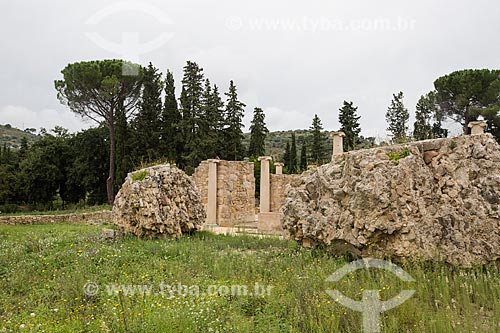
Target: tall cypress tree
<point>191,110</point>
<point>303,157</point>
<point>258,132</point>
<point>211,122</point>
<point>217,120</point>
<point>172,140</point>
<point>286,156</point>
<point>234,149</point>
<point>349,124</point>
<point>147,124</point>
<point>318,139</point>
<point>293,156</point>
<point>397,117</point>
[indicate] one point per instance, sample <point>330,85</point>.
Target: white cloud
<point>282,120</point>
<point>22,117</point>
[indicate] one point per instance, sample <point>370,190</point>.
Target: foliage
<point>147,124</point>
<point>139,175</point>
<point>318,138</point>
<point>293,167</point>
<point>172,141</point>
<point>275,142</point>
<point>233,134</point>
<point>396,156</point>
<point>44,172</point>
<point>191,111</point>
<point>303,158</point>
<point>464,95</point>
<point>59,166</point>
<point>397,118</point>
<point>428,118</point>
<point>211,128</point>
<point>349,124</point>
<point>258,132</point>
<point>125,160</point>
<point>5,180</point>
<point>491,115</point>
<point>98,90</point>
<point>45,268</point>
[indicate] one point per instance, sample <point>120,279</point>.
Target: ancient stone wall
<point>200,178</point>
<point>93,218</point>
<point>235,191</point>
<point>279,185</point>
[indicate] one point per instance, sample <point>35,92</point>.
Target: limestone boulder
<point>156,202</point>
<point>429,200</point>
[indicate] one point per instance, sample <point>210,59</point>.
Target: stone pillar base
<point>269,222</point>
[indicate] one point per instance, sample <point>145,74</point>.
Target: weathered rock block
<point>442,208</point>
<point>156,202</point>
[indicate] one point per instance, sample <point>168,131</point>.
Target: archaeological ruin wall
<point>228,191</point>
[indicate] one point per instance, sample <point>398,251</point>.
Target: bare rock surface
<point>156,202</point>
<point>429,200</point>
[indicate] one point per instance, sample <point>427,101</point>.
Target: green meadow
<point>66,278</point>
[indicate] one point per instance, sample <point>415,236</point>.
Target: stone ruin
<point>428,200</point>
<point>227,191</point>
<point>156,202</point>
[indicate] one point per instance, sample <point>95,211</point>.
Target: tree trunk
<point>110,183</point>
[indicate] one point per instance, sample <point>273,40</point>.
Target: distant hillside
<point>12,136</point>
<point>276,141</point>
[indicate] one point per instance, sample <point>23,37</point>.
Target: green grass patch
<point>140,175</point>
<point>395,157</point>
<point>43,271</point>
<point>453,144</point>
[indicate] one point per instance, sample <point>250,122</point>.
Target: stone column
<point>338,143</point>
<point>279,168</point>
<point>478,127</point>
<point>212,192</point>
<point>265,186</point>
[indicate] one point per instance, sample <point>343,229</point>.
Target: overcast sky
<point>294,59</point>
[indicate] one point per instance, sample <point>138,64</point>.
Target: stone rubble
<point>165,203</point>
<point>86,218</point>
<point>434,200</point>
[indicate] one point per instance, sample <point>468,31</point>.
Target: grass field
<point>49,277</point>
